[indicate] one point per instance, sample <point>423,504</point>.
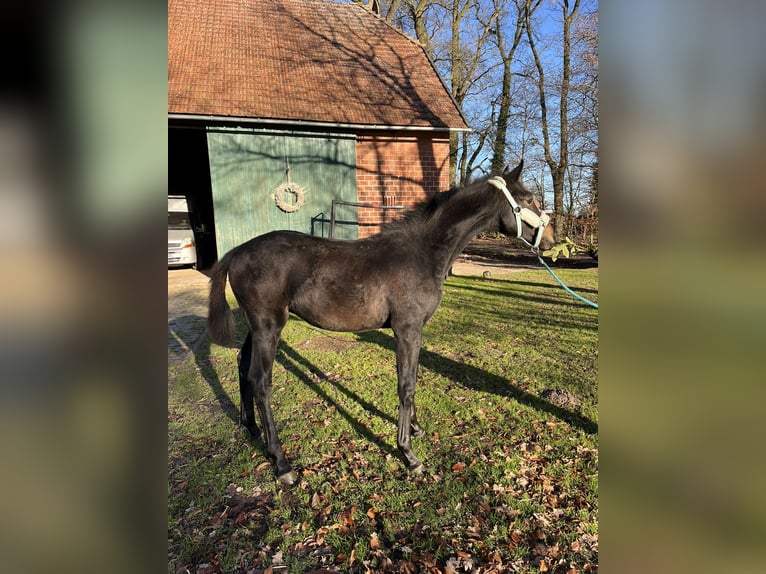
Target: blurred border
<point>83,140</point>
<point>683,316</point>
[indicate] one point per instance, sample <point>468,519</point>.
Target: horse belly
<point>341,307</point>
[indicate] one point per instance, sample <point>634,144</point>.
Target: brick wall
<point>398,169</point>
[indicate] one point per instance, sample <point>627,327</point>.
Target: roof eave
<point>309,123</point>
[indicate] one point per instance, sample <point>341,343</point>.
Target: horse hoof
<point>418,433</point>
<point>288,478</point>
<point>419,469</point>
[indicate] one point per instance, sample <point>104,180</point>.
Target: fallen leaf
<point>374,542</point>
<point>348,516</point>
<point>458,467</point>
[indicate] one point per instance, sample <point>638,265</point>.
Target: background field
<point>506,393</point>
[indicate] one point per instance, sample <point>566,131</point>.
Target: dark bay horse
<point>392,279</point>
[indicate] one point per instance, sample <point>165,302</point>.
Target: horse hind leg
<point>264,347</point>
<point>246,410</point>
<point>417,430</point>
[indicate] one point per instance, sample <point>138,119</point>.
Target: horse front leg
<point>408,343</point>
<point>246,411</point>
<point>417,430</point>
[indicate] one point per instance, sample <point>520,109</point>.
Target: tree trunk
<point>558,167</point>
<point>504,109</point>
<point>418,14</point>
<point>504,112</point>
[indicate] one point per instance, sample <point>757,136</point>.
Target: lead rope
<point>536,251</point>
<point>567,289</point>
<point>499,183</point>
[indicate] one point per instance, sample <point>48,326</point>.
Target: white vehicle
<point>182,249</point>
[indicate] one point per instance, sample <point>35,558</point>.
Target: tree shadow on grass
<point>479,379</point>
<point>554,294</point>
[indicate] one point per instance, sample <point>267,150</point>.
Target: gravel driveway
<point>187,312</point>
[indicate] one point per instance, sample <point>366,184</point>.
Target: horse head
<point>522,215</point>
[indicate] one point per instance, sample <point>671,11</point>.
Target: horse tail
<point>220,319</point>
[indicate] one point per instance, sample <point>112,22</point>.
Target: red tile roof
<point>312,60</point>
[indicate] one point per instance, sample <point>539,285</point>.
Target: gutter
<point>311,124</point>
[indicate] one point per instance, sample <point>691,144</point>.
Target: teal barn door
<point>267,180</point>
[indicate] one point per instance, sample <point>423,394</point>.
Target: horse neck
<point>460,219</point>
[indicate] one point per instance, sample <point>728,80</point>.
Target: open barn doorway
<point>189,176</point>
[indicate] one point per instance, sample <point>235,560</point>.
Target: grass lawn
<point>512,471</point>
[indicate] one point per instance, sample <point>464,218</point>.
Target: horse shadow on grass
<point>312,376</point>
<point>196,341</point>
<point>297,365</point>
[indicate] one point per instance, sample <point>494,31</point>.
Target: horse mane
<point>427,210</point>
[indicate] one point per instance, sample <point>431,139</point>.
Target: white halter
<point>523,213</point>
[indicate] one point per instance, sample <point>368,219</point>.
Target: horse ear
<point>513,176</point>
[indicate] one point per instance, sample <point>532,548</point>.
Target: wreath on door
<point>289,196</point>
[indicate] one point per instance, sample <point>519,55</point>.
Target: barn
<point>285,113</point>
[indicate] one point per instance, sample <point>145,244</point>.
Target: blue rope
<point>567,289</point>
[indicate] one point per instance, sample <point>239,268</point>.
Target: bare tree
<point>454,34</point>
<point>418,10</point>
<point>585,97</point>
<point>544,108</point>
<point>557,166</point>
<point>471,25</point>
<point>506,54</point>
